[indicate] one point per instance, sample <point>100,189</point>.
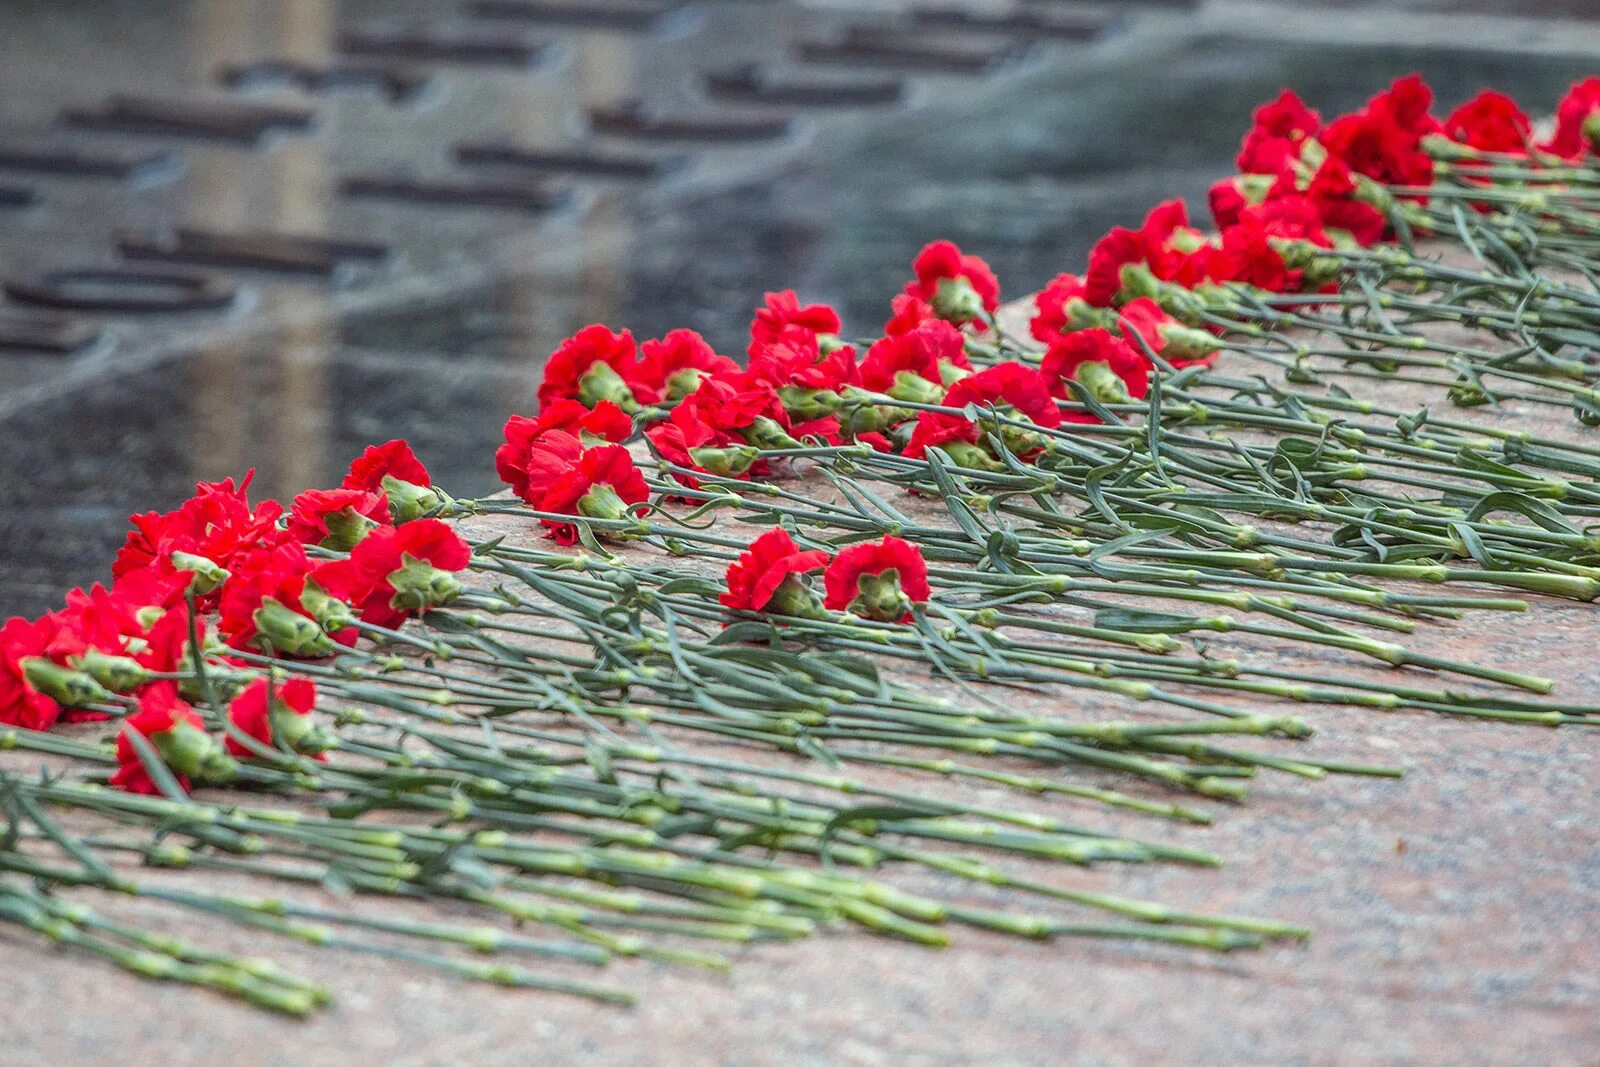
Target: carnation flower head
<point>674,366</point>
<point>879,580</point>
<point>1279,131</point>
<point>766,577</point>
<point>1490,122</point>
<point>397,571</point>
<point>286,717</point>
<point>1111,369</point>
<point>781,317</point>
<point>958,286</point>
<point>604,423</point>
<point>596,364</point>
<point>1577,131</point>
<point>336,518</point>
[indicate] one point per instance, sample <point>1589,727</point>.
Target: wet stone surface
<point>1455,910</point>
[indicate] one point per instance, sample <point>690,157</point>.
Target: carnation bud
<point>191,751</point>
<point>408,500</point>
<point>957,301</point>
<point>1312,154</point>
<point>225,683</point>
<point>72,688</point>
<point>915,389</point>
<point>1372,194</point>
<point>299,732</point>
<point>1186,344</point>
<point>861,415</point>
<point>1082,315</point>
<point>727,462</point>
<point>795,599</point>
<point>602,502</point>
<point>120,674</point>
<point>419,585</point>
<point>1138,280</point>
<point>288,631</point>
<point>767,433</point>
<point>1207,296</point>
<point>949,373</point>
<point>1304,256</point>
<point>879,596</point>
<point>330,612</point>
<point>1591,130</point>
<point>684,382</point>
<point>1102,382</point>
<point>602,382</point>
<point>208,574</point>
<point>968,455</point>
<point>149,615</point>
<point>346,528</point>
<point>805,404</point>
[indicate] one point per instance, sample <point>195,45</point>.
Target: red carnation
<point>336,518</point>
<point>568,479</point>
<point>1102,281</point>
<point>674,366</point>
<point>798,361</point>
<point>938,429</point>
<point>1228,197</point>
<point>1577,130</point>
<point>766,577</point>
<point>394,470</point>
<point>934,353</point>
<point>20,703</point>
<point>179,737</point>
<point>1060,308</point>
<point>595,364</point>
<point>288,718</point>
<point>210,528</point>
<point>878,581</point>
<point>1332,191</point>
<point>166,641</point>
<point>1170,339</point>
<point>1406,103</point>
<point>781,316</point>
<point>957,286</point>
<point>1110,368</point>
<point>1008,384</point>
<point>265,602</point>
<point>606,422</point>
<point>1280,130</point>
<point>1248,255</point>
<point>712,429</point>
<point>397,570</point>
<point>1489,122</point>
<point>907,312</point>
<point>392,459</point>
<point>1384,140</point>
<point>1166,244</point>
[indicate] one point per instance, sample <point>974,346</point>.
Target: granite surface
<point>1455,910</point>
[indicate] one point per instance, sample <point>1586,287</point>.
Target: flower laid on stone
<point>881,580</point>
<point>1196,438</point>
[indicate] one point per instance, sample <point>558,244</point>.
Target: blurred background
<point>264,233</point>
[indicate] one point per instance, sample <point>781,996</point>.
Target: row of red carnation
<point>249,565</point>
<point>216,557</point>
<point>1303,185</point>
